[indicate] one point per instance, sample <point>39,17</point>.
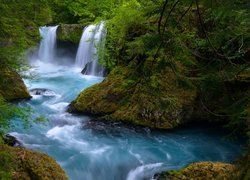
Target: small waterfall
<point>87,57</point>
<point>47,49</point>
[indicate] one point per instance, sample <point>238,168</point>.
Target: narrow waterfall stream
<point>87,57</point>
<point>47,49</point>
<point>105,151</point>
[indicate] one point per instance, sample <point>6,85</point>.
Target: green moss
<point>25,164</point>
<point>70,32</point>
<point>12,86</point>
<point>125,97</point>
<point>201,171</point>
<point>6,164</point>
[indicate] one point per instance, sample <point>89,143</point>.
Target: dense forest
<point>169,63</point>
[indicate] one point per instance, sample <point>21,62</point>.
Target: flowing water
<point>47,50</point>
<point>87,50</point>
<point>108,151</point>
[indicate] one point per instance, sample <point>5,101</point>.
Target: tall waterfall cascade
<point>87,56</point>
<point>47,48</point>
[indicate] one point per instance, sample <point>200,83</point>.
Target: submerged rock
<point>42,92</point>
<point>12,141</point>
<point>99,68</point>
<point>12,86</point>
<point>202,171</point>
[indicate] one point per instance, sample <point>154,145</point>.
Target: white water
<point>144,171</point>
<point>87,51</point>
<point>47,48</point>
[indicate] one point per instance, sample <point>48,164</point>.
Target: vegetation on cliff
<point>19,30</point>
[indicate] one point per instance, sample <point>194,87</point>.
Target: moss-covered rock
<point>141,101</point>
<point>25,164</point>
<point>12,86</point>
<point>70,32</point>
<point>201,171</point>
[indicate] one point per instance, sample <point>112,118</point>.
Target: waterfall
<point>87,57</point>
<point>47,49</point>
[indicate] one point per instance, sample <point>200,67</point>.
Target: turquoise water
<point>109,151</point>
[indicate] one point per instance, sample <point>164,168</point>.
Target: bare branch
<point>162,13</point>
<point>182,16</point>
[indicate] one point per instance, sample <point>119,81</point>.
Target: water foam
<point>144,171</point>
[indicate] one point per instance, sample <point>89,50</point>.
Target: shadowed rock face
<point>12,86</point>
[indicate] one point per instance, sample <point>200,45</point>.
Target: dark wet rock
<point>99,69</point>
<point>42,92</point>
<point>12,141</point>
<point>110,128</point>
<point>71,108</point>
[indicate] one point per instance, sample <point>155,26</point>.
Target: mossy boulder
<point>70,32</point>
<point>12,86</point>
<point>201,171</point>
<point>16,163</point>
<point>141,101</point>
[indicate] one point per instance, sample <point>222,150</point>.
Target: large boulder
<point>201,171</point>
<point>16,163</point>
<point>12,141</point>
<point>12,86</point>
<point>140,101</point>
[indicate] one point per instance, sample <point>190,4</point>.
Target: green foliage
<point>81,11</point>
<point>20,20</point>
<point>127,23</point>
<point>6,164</point>
<point>238,116</point>
<point>9,111</point>
<point>206,41</point>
